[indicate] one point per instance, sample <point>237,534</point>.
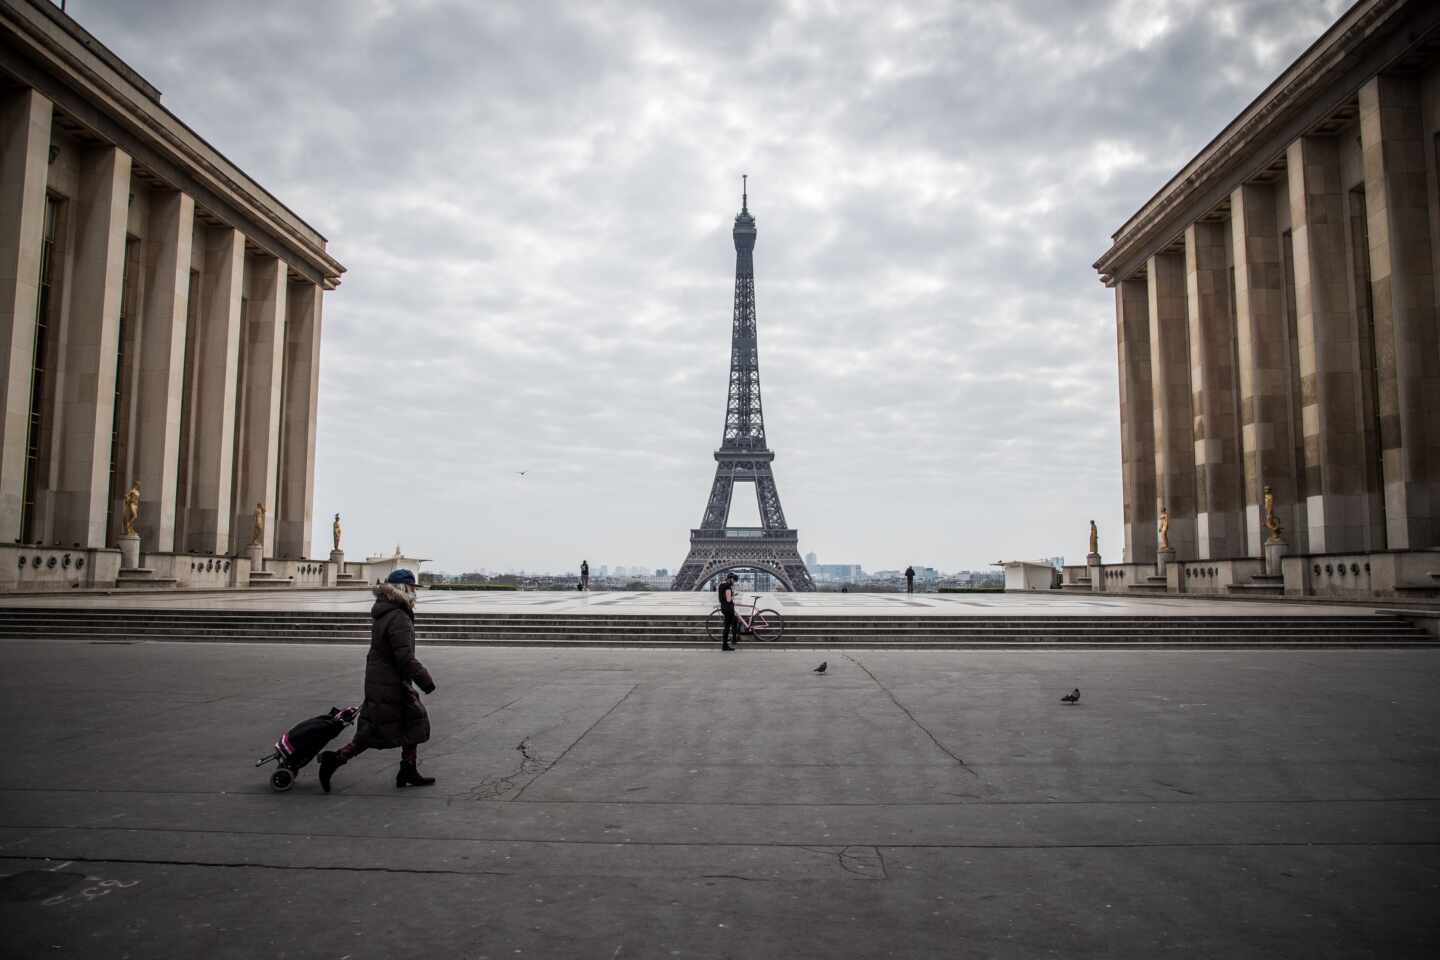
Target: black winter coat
<point>392,715</point>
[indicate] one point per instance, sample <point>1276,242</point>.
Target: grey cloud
<point>535,200</point>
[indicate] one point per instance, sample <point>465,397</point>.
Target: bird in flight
<point>821,668</point>
<point>1072,697</point>
<point>521,472</point>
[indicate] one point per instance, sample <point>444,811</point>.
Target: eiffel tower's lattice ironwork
<point>743,457</point>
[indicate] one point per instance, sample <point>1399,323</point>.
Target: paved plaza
<point>691,804</point>
<point>1023,604</point>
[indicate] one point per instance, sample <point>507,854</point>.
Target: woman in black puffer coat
<point>392,715</point>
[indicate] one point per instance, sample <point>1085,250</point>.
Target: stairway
<point>899,632</point>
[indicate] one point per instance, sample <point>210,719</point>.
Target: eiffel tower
<point>743,456</point>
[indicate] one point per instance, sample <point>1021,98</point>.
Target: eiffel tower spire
<point>743,456</point>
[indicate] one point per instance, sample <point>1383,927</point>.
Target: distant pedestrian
<point>725,590</point>
<point>584,575</point>
<point>909,579</point>
<point>392,715</point>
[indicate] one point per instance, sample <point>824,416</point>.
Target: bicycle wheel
<point>715,625</point>
<point>767,625</point>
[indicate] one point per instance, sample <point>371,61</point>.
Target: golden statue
<point>1271,523</point>
<point>257,537</point>
<point>1094,539</point>
<point>1164,528</point>
<point>132,509</point>
<point>335,531</point>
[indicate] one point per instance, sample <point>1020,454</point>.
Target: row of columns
<point>1308,362</point>
<point>204,449</point>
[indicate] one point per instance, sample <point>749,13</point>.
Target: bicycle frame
<point>744,620</point>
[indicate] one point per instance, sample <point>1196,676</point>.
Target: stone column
<point>1137,418</point>
<point>24,166</point>
<point>87,364</point>
<point>1402,281</point>
<point>264,332</point>
<point>160,365</point>
<point>212,461</point>
<point>1173,419</point>
<point>300,405</point>
<point>1219,527</point>
<point>1262,334</point>
<point>1330,389</point>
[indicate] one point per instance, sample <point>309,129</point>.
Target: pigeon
<point>821,668</point>
<point>1071,697</point>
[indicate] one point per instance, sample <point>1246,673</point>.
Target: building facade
<point>160,315</point>
<point>1276,320</point>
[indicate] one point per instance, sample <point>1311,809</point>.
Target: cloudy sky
<point>534,201</point>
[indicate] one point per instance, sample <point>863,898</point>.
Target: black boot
<point>409,776</point>
<point>330,761</point>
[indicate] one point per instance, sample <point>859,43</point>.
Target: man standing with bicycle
<point>725,590</point>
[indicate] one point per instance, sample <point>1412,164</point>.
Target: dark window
<point>1292,329</point>
<point>188,399</point>
<point>38,367</point>
<point>124,380</point>
<point>239,435</point>
<point>1375,439</point>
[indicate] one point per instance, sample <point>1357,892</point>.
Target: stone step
<point>1136,643</point>
<point>431,625</point>
<point>1258,587</point>
<point>802,631</point>
<point>362,618</point>
<point>144,578</point>
<point>441,629</point>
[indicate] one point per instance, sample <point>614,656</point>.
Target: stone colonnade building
<point>160,315</point>
<point>1276,318</point>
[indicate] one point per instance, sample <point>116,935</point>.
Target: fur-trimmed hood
<point>389,592</point>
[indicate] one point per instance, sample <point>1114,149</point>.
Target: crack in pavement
<point>491,788</point>
<point>860,860</point>
<point>613,707</point>
<point>905,710</point>
<point>1163,783</point>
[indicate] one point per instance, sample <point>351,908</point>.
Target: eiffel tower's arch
<point>774,569</point>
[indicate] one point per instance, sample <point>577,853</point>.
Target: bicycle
<point>762,624</point>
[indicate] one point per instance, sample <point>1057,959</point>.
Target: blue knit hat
<point>401,576</point>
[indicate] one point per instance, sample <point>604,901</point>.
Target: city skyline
<point>535,209</point>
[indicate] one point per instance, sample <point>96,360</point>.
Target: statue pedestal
<point>257,557</point>
<point>337,557</point>
<point>1097,577</point>
<point>130,551</point>
<point>1274,550</point>
<point>1163,558</point>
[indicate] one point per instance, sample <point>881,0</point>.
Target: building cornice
<point>61,57</point>
<point>1369,36</point>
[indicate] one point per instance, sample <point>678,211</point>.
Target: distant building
<point>837,572</point>
<point>811,560</point>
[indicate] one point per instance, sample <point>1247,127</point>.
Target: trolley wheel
<point>282,780</point>
<point>767,625</point>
